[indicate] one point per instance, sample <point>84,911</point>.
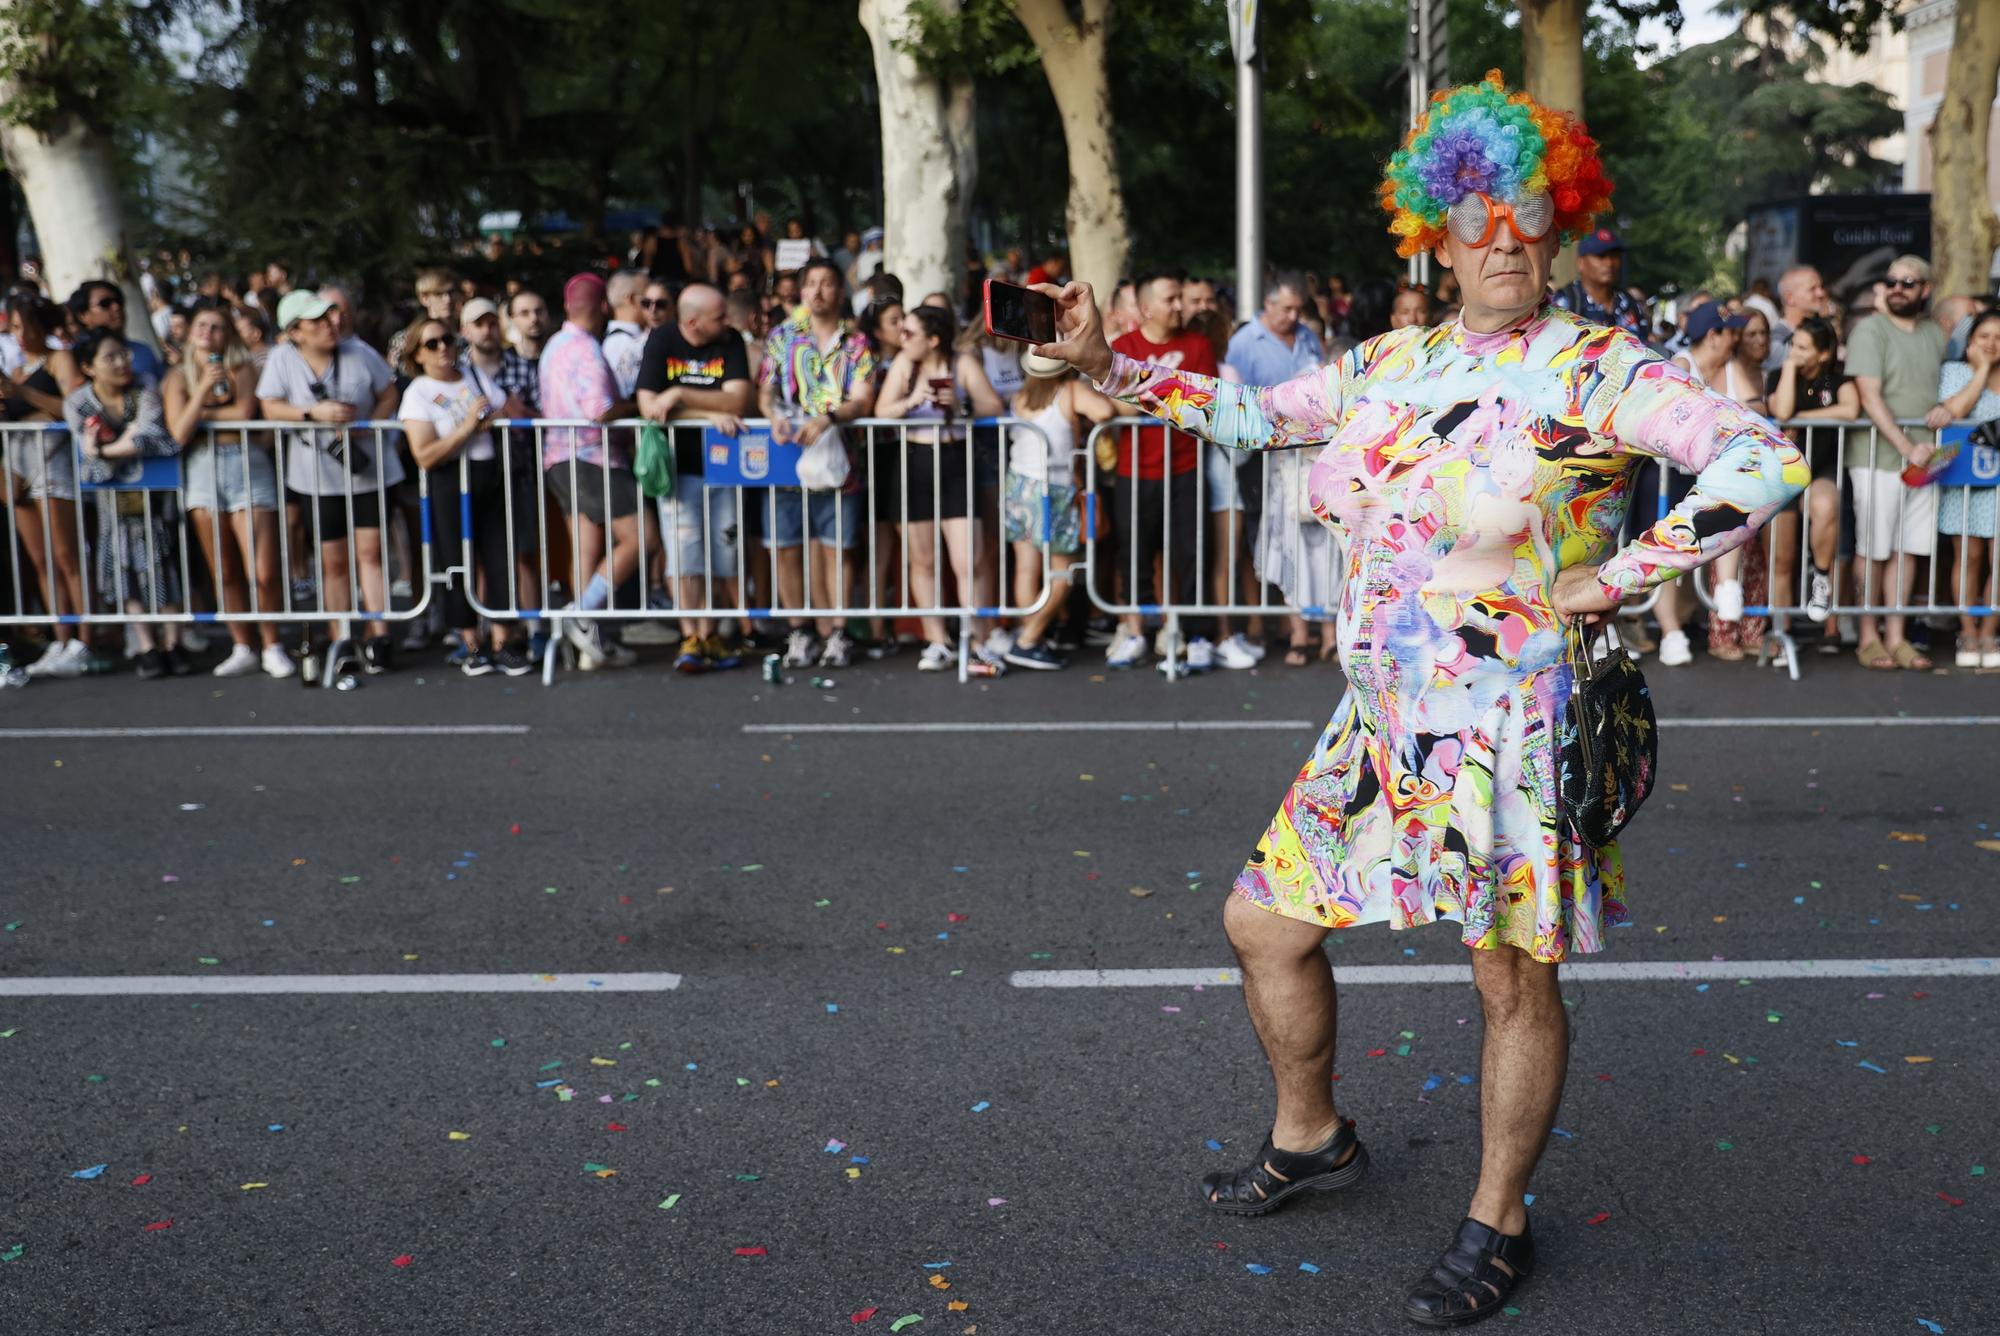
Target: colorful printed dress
<point>1466,470</point>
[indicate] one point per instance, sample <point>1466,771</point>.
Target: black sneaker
<point>177,662</point>
<point>511,661</point>
<point>476,664</point>
<point>152,664</point>
<point>375,655</point>
<point>1035,656</point>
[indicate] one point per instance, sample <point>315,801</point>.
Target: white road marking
<point>1610,971</point>
<point>277,731</point>
<point>180,985</point>
<point>1298,725</point>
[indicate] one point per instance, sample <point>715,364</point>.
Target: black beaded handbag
<point>1610,740</point>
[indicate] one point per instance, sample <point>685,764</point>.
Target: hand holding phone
<point>1018,313</point>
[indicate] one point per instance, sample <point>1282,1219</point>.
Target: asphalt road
<point>845,911</point>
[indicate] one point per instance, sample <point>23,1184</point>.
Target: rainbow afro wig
<point>1481,138</point>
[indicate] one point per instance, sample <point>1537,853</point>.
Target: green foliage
<point>65,58</point>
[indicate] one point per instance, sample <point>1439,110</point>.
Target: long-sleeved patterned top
<point>1465,470</point>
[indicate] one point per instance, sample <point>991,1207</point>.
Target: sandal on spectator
<point>1262,1187</point>
<point>1873,655</point>
<point>1297,655</point>
<point>1473,1278</point>
<point>1905,656</point>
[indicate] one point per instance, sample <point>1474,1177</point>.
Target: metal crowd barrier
<point>76,549</point>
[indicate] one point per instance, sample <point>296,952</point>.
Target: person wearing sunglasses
<point>340,469</point>
<point>1480,469</point>
<point>656,305</point>
<point>99,304</point>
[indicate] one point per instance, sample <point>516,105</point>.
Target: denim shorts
<point>217,479</point>
<point>699,522</point>
<point>836,518</point>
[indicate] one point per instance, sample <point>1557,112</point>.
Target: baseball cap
<point>1705,319</point>
<point>1601,242</point>
<point>300,305</point>
<point>872,237</point>
<point>476,309</point>
<point>582,287</point>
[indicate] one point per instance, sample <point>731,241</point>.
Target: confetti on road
<point>1257,1268</point>
<point>668,1204</point>
<point>752,1252</point>
<point>1309,1268</point>
<point>403,1260</point>
<point>982,1106</point>
<point>91,1172</point>
<point>156,1226</point>
<point>907,1320</point>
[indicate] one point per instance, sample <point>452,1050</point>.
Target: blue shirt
<point>145,365</point>
<point>1261,357</point>
<point>1624,314</point>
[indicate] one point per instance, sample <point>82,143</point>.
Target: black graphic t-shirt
<point>670,360</point>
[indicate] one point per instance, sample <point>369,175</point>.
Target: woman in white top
<point>1969,390</point>
<point>229,473</point>
<point>41,477</point>
<point>447,416</point>
<point>925,382</point>
<point>1042,501</point>
<point>1711,361</point>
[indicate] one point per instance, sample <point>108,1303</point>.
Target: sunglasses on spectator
<point>1902,282</point>
<point>107,303</point>
<point>653,303</point>
<point>436,344</point>
<point>318,389</point>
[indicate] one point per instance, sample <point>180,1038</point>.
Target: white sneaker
<point>277,663</point>
<point>1125,651</point>
<point>1966,658</point>
<point>839,649</point>
<point>1235,652</point>
<point>52,655</point>
<point>1674,652</point>
<point>582,637</point>
<point>193,641</point>
<point>617,655</point>
<point>1255,647</point>
<point>1163,643</point>
<point>997,644</point>
<point>800,649</point>
<point>1200,655</point>
<point>936,658</point>
<point>242,662</point>
<point>71,660</point>
<point>1729,600</point>
<point>1819,596</point>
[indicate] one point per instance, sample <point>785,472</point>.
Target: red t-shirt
<point>1184,352</point>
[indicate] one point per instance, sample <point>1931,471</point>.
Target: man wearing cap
<point>1596,295</point>
<point>590,469</point>
<point>486,352</point>
<point>317,376</point>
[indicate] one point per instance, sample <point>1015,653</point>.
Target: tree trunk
<point>1073,60</point>
<point>1964,230</point>
<point>72,195</point>
<point>1552,69</point>
<point>928,154</point>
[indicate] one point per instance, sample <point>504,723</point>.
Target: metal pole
<point>1419,64</point>
<point>1249,157</point>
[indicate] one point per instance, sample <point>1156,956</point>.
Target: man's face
<point>787,289</point>
<point>438,299</point>
<point>1904,292</point>
<point>1057,266</point>
<point>1809,292</point>
<point>707,322</point>
<point>1505,276</point>
<point>1410,308</point>
<point>1197,297</point>
<point>318,335</point>
<point>1601,271</point>
<point>531,317</point>
<point>106,310</point>
<point>277,276</point>
<point>1282,310</point>
<point>656,306</point>
<point>484,334</point>
<point>851,243</point>
<point>177,328</point>
<point>1160,304</point>
<point>820,292</point>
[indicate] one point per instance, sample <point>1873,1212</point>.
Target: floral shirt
<point>576,383</point>
<point>809,379</point>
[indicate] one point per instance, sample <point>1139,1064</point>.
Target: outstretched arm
<point>1304,411</point>
<point>1745,470</point>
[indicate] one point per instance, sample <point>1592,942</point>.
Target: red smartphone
<point>1018,313</point>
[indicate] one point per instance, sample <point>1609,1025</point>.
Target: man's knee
<point>1511,981</point>
<point>1258,933</point>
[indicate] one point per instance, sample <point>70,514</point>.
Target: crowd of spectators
<point>700,329</point>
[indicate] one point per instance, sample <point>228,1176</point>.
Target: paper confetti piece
<point>403,1260</point>
<point>1916,1059</point>
<point>1930,1326</point>
<point>91,1172</point>
<point>907,1320</point>
<point>940,1283</point>
<point>752,1252</point>
<point>668,1204</point>
<point>1002,1201</point>
<point>982,1106</point>
<point>1257,1268</point>
<point>936,1266</point>
<point>251,1187</point>
<point>958,1305</point>
<point>834,1147</point>
<point>156,1226</point>
<point>1309,1268</point>
<point>1599,1218</point>
<point>1950,1200</point>
<point>1880,1071</point>
<point>1860,1159</point>
<point>13,1254</point>
<point>459,1136</point>
<point>142,1180</point>
<point>863,1315</point>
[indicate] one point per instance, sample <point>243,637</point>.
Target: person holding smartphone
<point>923,384</point>
<point>316,378</point>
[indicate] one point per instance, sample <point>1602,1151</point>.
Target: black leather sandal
<point>1278,1175</point>
<point>1473,1278</point>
